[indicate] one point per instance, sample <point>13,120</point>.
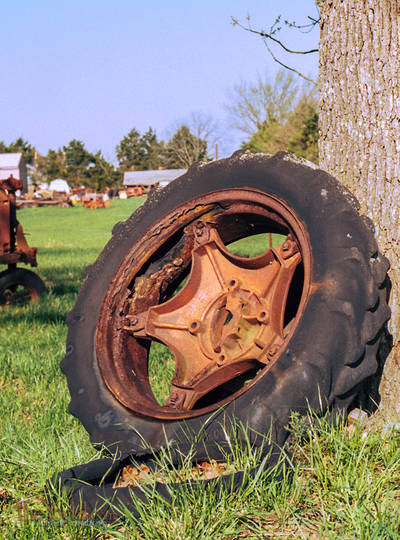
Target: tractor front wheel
<point>20,286</point>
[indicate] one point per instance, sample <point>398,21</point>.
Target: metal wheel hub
<point>229,322</point>
<point>215,340</point>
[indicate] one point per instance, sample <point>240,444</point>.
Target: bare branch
<point>288,67</point>
<point>254,105</point>
<point>274,30</point>
<point>265,35</point>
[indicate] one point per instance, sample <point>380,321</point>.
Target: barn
<point>14,164</point>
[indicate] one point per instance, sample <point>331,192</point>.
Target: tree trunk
<point>359,79</point>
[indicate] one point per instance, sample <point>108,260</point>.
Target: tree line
<point>74,163</point>
<point>273,115</point>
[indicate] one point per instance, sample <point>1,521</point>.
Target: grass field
<point>345,483</point>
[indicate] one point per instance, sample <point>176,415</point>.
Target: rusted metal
<point>94,202</point>
<point>17,293</point>
<point>230,319</point>
<point>14,248</point>
<point>228,315</point>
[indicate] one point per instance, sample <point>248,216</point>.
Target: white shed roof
<point>10,161</point>
<point>151,177</point>
<point>59,185</point>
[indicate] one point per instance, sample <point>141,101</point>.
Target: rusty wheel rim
<point>17,295</point>
<point>232,319</point>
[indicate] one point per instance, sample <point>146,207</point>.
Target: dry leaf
<point>206,470</point>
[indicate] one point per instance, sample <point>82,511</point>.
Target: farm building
<point>59,185</point>
<point>148,179</point>
<point>14,164</point>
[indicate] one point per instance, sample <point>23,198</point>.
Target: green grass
<point>344,484</point>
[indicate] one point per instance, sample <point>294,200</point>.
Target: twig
<point>288,67</point>
<point>264,35</point>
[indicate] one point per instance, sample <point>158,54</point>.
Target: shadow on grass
<point>69,251</point>
<point>41,312</point>
<point>65,277</point>
<point>63,282</point>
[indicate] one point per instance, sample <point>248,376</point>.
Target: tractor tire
<point>20,286</point>
<point>308,344</point>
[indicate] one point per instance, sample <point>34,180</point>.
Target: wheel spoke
<point>288,259</point>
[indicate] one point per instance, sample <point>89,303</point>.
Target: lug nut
<point>273,350</point>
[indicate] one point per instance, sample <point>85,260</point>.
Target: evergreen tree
<point>101,174</point>
<point>77,162</point>
<point>140,152</point>
<point>19,145</point>
<point>50,166</point>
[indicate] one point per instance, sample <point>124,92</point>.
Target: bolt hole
<point>194,327</point>
<point>262,317</point>
<point>232,283</point>
<point>217,349</point>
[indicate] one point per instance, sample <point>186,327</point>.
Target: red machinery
<point>16,284</point>
<point>94,202</point>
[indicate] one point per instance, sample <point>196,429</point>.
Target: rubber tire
<point>89,488</point>
<point>333,349</point>
<point>22,276</point>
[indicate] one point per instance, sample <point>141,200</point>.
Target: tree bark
<point>359,67</point>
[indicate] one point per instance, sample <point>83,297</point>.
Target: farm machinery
<point>17,285</point>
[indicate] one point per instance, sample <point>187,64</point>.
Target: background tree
<point>77,162</point>
<point>184,148</point>
<point>101,174</point>
<point>304,140</point>
<point>50,166</point>
<point>19,145</point>
<point>255,105</point>
<point>287,121</point>
<point>127,151</point>
<point>140,152</point>
<point>205,128</point>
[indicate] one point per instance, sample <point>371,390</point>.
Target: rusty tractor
<point>17,285</point>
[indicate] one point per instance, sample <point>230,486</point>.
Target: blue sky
<point>94,69</point>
